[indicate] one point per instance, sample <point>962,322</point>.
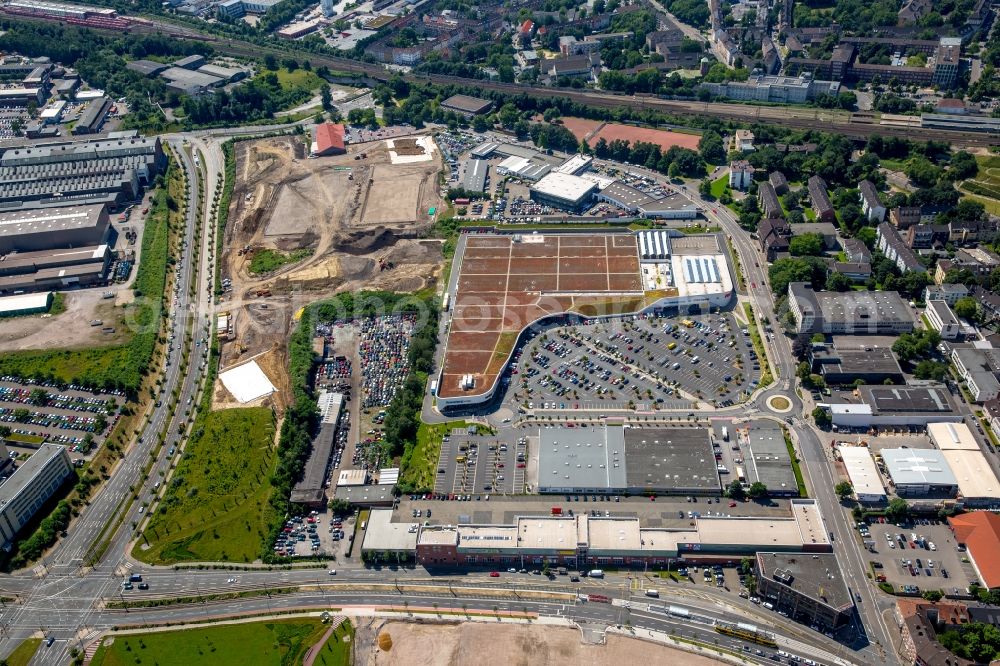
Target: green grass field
<point>279,643</point>
<point>719,186</point>
<point>985,187</point>
<point>299,79</point>
<point>266,261</point>
<point>421,467</point>
<point>215,508</point>
<point>23,653</point>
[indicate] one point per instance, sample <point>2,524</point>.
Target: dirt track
<point>483,644</point>
<point>283,201</point>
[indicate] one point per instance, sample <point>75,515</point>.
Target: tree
<point>806,245</point>
<point>932,595</point>
<point>822,418</point>
<point>837,282</point>
<point>966,308</point>
<point>270,62</point>
<point>757,490</point>
<point>38,397</point>
<point>735,491</point>
<point>711,148</point>
<point>480,124</point>
<point>897,510</point>
<point>844,490</point>
<point>325,98</point>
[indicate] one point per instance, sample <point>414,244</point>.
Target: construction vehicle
<point>384,264</point>
<point>262,292</point>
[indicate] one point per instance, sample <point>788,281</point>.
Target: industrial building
<point>977,483</point>
<point>48,228</point>
<point>905,406</point>
<point>54,269</point>
<point>768,460</point>
<point>190,82</point>
<point>810,587</point>
<point>67,173</point>
<point>852,312</point>
<point>920,473</point>
<point>583,540</point>
<point>25,304</point>
<point>388,541</point>
<point>634,202</point>
<point>564,191</point>
<point>148,68</point>
<point>310,491</point>
<point>92,118</point>
<point>466,105</point>
<point>476,173</point>
<point>616,460</point>
<point>28,488</point>
<point>847,359</point>
<point>526,168</point>
<point>863,474</point>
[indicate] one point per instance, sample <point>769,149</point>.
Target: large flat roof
<point>614,534</point>
<point>383,535</point>
<point>27,471</point>
<point>671,459</point>
<point>25,302</point>
<point>475,175</point>
<point>768,460</point>
<point>854,306</point>
<point>565,186</point>
<point>582,458</point>
<point>975,477</point>
<point>861,471</point>
<point>48,220</point>
<point>906,399</point>
<point>467,103</point>
<point>816,576</point>
<point>918,467</point>
<point>952,436</point>
<point>546,533</point>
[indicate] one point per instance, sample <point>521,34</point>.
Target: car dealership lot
<point>938,569</point>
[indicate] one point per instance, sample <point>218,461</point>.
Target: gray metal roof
<point>581,458</point>
<point>768,460</point>
<point>671,459</point>
<point>909,467</point>
<point>47,220</point>
<point>475,176</point>
<point>28,470</point>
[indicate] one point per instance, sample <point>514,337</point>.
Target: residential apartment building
<point>895,249</point>
<point>28,488</point>
<point>949,293</point>
<point>770,207</point>
<point>740,175</point>
<point>820,200</point>
<point>943,320</point>
<point>979,368</point>
<point>809,586</point>
<point>871,203</point>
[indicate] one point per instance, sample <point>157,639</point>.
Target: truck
<point>725,434</point>
<point>650,592</point>
<point>557,511</point>
<point>596,573</point>
<point>434,387</point>
<point>462,202</point>
<point>445,301</point>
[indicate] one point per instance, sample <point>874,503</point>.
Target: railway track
<point>855,126</point>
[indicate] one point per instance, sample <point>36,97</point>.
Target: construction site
<point>346,222</point>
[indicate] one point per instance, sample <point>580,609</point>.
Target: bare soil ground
<point>71,328</point>
<point>364,218</point>
<point>483,644</point>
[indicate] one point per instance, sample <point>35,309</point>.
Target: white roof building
<point>863,474</point>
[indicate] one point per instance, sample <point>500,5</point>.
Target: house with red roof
<point>329,140</point>
<point>979,532</point>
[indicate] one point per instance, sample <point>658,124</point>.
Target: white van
<point>596,573</point>
<point>652,593</point>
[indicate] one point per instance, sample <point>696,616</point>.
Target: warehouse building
<point>310,491</point>
<point>467,105</point>
<point>388,541</point>
<point>848,358</point>
<point>852,312</point>
<point>615,460</point>
<point>28,488</point>
<point>809,587</point>
<point>190,82</point>
<point>977,483</point>
<point>54,269</point>
<point>768,460</point>
<point>863,474</point>
<point>900,406</point>
<point>476,172</point>
<point>584,540</point>
<point>635,202</point>
<point>563,191</point>
<point>25,304</point>
<point>49,228</point>
<point>146,67</point>
<point>92,118</point>
<point>80,171</point>
<point>227,74</point>
<point>920,473</point>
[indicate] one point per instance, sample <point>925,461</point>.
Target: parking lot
<point>60,415</point>
<point>316,534</point>
<point>643,362</point>
<point>921,553</point>
<point>481,464</point>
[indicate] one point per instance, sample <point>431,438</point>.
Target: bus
<point>434,387</point>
